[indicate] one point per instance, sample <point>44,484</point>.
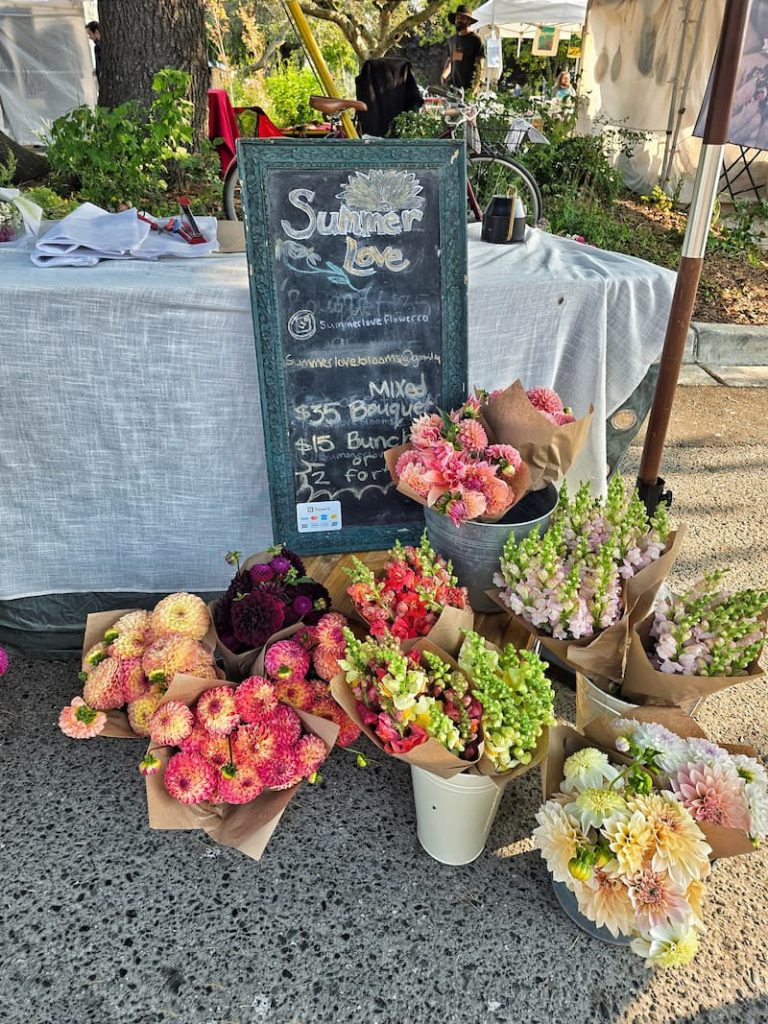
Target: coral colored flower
<point>471,436</point>
<point>150,765</point>
<point>183,614</point>
<point>255,699</point>
<point>189,778</point>
<point>285,726</point>
<point>416,736</point>
<point>217,710</point>
<point>256,617</point>
<point>215,749</point>
<point>657,900</point>
<point>713,792</point>
<point>298,693</point>
<point>140,711</point>
<point>411,474</point>
<point>286,660</point>
<point>349,731</point>
<point>194,742</point>
<point>509,459</point>
<point>133,682</point>
<point>604,899</point>
<point>102,689</point>
<point>545,400</point>
<point>170,655</point>
<point>281,771</point>
<point>325,663</point>
<point>255,743</point>
<point>672,945</point>
<point>133,622</point>
<point>171,723</point>
<point>310,753</point>
<point>81,722</point>
<point>245,785</point>
<point>426,430</point>
<point>330,633</point>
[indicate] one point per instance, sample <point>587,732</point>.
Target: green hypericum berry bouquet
<point>516,698</point>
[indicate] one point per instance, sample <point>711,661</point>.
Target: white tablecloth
<point>131,444</point>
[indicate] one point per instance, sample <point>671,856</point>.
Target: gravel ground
<point>345,919</point>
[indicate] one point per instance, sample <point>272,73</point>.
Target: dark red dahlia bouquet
<point>406,601</point>
<point>268,593</point>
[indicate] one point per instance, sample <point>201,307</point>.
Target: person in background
<point>563,89</point>
<point>94,34</point>
<point>465,51</point>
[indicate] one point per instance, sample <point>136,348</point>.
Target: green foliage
<point>741,235</point>
<point>530,70</point>
<point>417,124</point>
<point>7,171</point>
<point>130,155</point>
<point>52,204</point>
<point>289,90</point>
<point>659,199</point>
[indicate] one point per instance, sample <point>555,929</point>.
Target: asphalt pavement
<point>345,920</point>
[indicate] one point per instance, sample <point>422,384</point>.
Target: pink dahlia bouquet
<point>537,423</point>
<point>300,665</point>
<point>409,596</point>
<point>633,856</point>
<point>228,760</point>
<point>129,660</point>
<point>269,592</point>
<point>452,467</point>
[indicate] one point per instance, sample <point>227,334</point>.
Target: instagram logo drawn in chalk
<point>302,325</point>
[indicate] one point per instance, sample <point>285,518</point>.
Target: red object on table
<point>222,124</point>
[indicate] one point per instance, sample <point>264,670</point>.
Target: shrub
<point>289,90</point>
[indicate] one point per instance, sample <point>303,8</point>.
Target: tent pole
<point>684,94</point>
<point>650,484</point>
<point>673,104</point>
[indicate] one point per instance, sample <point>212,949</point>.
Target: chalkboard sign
<point>357,261</point>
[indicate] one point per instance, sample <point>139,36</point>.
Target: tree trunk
<point>29,165</point>
<point>140,37</point>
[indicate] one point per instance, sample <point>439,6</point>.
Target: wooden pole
<point>649,483</point>
<point>316,56</point>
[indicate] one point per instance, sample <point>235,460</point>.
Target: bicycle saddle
<point>329,105</point>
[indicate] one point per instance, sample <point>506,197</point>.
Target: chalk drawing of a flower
<point>382,191</point>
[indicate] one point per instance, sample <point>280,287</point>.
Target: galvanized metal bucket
<point>475,548</point>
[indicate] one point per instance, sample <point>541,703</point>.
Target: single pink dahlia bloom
<point>189,778</point>
<point>285,726</point>
<point>298,693</point>
<point>713,792</point>
<point>255,699</point>
<point>286,660</point>
<point>245,785</point>
<point>325,663</point>
<point>171,723</point>
<point>330,633</point>
<point>81,722</point>
<point>217,711</point>
<point>281,771</point>
<point>310,754</point>
<point>545,400</point>
<point>103,690</point>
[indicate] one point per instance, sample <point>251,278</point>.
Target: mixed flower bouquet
<point>229,760</point>
<point>634,857</point>
<point>133,663</point>
<point>409,699</point>
<point>537,424</point>
<point>517,702</point>
<point>452,467</point>
<point>268,593</point>
<point>411,594</point>
<point>11,221</point>
<point>301,665</point>
<point>695,644</point>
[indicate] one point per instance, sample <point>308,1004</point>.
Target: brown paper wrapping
<point>520,485</point>
<point>240,666</point>
<point>643,684</point>
<point>431,755</point>
<point>96,624</point>
<point>246,827</point>
<point>547,450</point>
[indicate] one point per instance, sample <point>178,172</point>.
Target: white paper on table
<point>90,234</point>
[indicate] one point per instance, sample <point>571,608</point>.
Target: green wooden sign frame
<point>260,161</point>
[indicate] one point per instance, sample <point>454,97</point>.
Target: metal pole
<point>673,104</point>
<point>650,484</point>
<point>315,55</point>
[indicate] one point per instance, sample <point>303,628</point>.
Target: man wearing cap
<point>465,51</point>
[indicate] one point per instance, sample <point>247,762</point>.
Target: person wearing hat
<point>465,51</point>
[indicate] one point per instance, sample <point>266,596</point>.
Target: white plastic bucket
<point>591,702</point>
<point>454,816</point>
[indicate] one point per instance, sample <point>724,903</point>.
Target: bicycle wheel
<point>233,206</point>
<point>494,175</point>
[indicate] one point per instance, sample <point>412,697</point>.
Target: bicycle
<point>328,105</point>
<point>491,172</point>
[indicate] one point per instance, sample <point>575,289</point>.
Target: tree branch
<point>268,54</point>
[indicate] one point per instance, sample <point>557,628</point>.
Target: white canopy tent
<point>520,18</point>
<point>46,66</point>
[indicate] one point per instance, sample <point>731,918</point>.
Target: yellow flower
<point>679,845</point>
<point>630,839</point>
<point>668,945</point>
<point>592,807</point>
<point>558,838</point>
